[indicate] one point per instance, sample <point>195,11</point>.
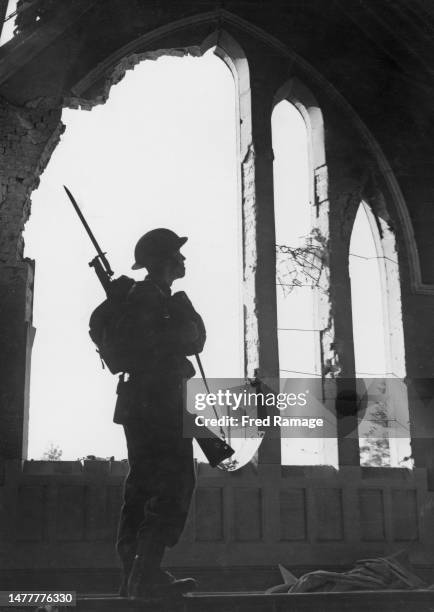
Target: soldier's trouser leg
<point>126,546</point>
<point>158,490</point>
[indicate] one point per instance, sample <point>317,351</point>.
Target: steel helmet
<point>159,242</point>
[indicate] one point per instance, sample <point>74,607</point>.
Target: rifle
<point>215,449</point>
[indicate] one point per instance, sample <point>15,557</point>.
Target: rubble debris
<point>377,574</point>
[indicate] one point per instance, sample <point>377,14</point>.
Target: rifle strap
<point>202,372</point>
<point>205,382</point>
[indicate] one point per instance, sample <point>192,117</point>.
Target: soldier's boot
<point>147,580</point>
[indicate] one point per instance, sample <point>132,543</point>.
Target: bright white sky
<point>160,153</point>
<point>367,306</point>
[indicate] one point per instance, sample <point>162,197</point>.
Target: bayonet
<point>100,262</point>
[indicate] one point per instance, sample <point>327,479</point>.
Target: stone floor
<point>362,601</point>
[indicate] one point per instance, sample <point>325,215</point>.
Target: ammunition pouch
<point>126,400</point>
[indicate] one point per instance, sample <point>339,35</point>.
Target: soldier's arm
<point>153,334</point>
<point>183,312</point>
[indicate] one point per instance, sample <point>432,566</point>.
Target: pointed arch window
<point>379,341</point>
<point>169,175</point>
<point>301,217</point>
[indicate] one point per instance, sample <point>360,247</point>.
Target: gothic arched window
<point>301,217</point>
<point>378,341</point>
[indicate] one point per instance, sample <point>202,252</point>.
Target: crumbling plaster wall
<point>28,137</point>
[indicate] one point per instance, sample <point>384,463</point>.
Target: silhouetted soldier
<point>161,330</point>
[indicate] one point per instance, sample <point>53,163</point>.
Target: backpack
<point>105,329</point>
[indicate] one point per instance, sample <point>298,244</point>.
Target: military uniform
<point>150,406</point>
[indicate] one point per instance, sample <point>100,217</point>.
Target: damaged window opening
<point>8,26</point>
<point>299,267</point>
<point>378,341</point>
<point>162,152</point>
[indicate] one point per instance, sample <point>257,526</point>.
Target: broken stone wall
<point>28,137</point>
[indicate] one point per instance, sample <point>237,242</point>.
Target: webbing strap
<point>202,373</point>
